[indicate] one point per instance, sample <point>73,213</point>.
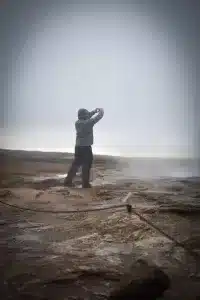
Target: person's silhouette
<point>83,156</point>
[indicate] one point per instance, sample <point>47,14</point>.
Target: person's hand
<point>97,110</point>
<point>101,110</point>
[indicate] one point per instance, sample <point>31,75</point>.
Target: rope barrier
<point>64,211</point>
<point>125,203</point>
<point>172,239</point>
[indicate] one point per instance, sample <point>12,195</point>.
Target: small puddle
<point>28,237</point>
<point>54,177</point>
<point>114,249</point>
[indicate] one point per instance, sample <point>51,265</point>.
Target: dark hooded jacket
<point>84,126</point>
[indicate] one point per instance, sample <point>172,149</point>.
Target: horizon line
<point>69,151</point>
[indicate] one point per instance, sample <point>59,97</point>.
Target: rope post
<point>129,208</point>
<point>127,201</point>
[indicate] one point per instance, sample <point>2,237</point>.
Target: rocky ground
<point>84,255</point>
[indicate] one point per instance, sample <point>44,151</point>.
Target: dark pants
<point>83,157</point>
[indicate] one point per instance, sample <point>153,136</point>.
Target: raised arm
<point>92,113</point>
<point>98,117</point>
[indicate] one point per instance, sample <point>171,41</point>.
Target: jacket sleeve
<point>92,113</point>
<point>97,118</point>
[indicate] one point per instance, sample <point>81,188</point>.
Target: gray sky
<point>137,60</point>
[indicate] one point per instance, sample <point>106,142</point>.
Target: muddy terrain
<point>59,255</point>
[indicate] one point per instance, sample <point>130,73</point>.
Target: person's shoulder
<point>77,123</point>
<point>80,123</point>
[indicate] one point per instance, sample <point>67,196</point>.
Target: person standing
<point>83,156</point>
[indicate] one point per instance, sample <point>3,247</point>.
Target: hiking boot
<point>68,183</point>
<point>86,186</point>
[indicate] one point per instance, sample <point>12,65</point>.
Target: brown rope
<point>63,211</point>
<point>129,209</point>
<point>172,239</point>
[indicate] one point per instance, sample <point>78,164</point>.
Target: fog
<point>137,60</point>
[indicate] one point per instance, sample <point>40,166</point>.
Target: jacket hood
<point>83,114</point>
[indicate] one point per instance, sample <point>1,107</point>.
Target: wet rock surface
<point>88,255</point>
<point>143,281</point>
